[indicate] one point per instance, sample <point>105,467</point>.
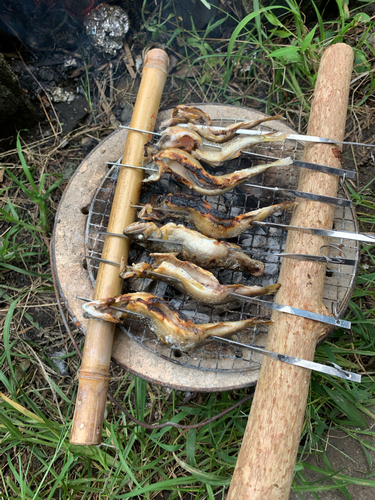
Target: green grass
<point>37,403</point>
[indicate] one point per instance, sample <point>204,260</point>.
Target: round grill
<point>226,366</point>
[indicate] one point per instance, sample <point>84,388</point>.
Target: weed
<point>273,67</point>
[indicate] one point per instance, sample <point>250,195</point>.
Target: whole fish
<point>196,282</point>
<point>193,246</point>
<point>172,327</point>
<point>226,133</point>
<point>185,114</point>
<point>190,172</point>
<point>232,149</point>
<point>207,220</point>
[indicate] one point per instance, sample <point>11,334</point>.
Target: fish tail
<point>265,212</point>
<point>275,136</point>
<point>229,327</point>
<point>254,291</point>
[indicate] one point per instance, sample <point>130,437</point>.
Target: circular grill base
<point>68,250</point>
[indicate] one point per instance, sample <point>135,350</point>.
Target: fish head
<point>179,137</point>
<point>150,212</point>
<point>100,309</point>
<point>141,231</point>
<point>151,149</point>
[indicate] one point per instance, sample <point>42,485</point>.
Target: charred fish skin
<point>198,283</point>
<point>187,170</point>
<point>226,133</point>
<point>207,220</point>
<point>172,328</point>
<point>185,114</point>
<point>193,246</point>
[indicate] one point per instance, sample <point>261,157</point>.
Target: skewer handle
<point>266,461</point>
<point>94,373</point>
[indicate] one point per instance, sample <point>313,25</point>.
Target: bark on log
<point>266,461</point>
<point>94,372</point>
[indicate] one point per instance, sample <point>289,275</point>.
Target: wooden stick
<point>268,454</point>
<point>94,373</point>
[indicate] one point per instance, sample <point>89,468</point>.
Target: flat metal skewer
<point>334,370</point>
<point>206,144</point>
<point>320,232</point>
<point>318,258</point>
<point>161,209</point>
<point>300,137</point>
<point>140,239</point>
<point>131,166</point>
<point>343,202</point>
<point>349,174</point>
<point>295,311</point>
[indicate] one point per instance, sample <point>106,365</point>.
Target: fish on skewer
<point>191,279</point>
<point>232,149</point>
<point>208,221</point>
<point>215,158</point>
<point>186,114</point>
<point>193,246</point>
<point>179,137</point>
<point>173,328</point>
<point>224,134</point>
<point>190,172</point>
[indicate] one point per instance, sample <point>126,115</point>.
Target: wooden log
<point>94,373</point>
<point>266,461</point>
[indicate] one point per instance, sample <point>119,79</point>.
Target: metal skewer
<point>320,232</point>
<point>131,166</point>
<point>299,137</point>
<point>334,370</point>
<point>140,237</point>
<point>318,258</point>
<point>206,144</point>
<point>161,209</point>
<point>310,196</point>
<point>349,174</point>
<point>295,311</point>
<point>112,263</point>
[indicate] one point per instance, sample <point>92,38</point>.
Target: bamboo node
<point>93,375</point>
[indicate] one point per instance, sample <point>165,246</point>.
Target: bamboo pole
<point>265,465</point>
<point>94,373</point>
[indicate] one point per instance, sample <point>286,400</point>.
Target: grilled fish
<point>185,114</point>
<point>172,327</point>
<point>226,133</point>
<point>190,172</point>
<point>232,149</point>
<point>196,282</point>
<point>193,246</point>
<point>198,212</point>
<point>179,137</point>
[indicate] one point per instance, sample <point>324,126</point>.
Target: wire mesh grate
<point>262,243</point>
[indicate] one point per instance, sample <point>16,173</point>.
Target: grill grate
<point>262,243</point>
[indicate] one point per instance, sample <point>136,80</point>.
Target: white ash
<point>58,94</point>
<point>138,62</point>
<point>106,27</point>
<point>60,364</point>
<point>70,62</point>
<point>259,241</point>
<point>273,244</point>
<point>271,269</point>
<point>234,211</point>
